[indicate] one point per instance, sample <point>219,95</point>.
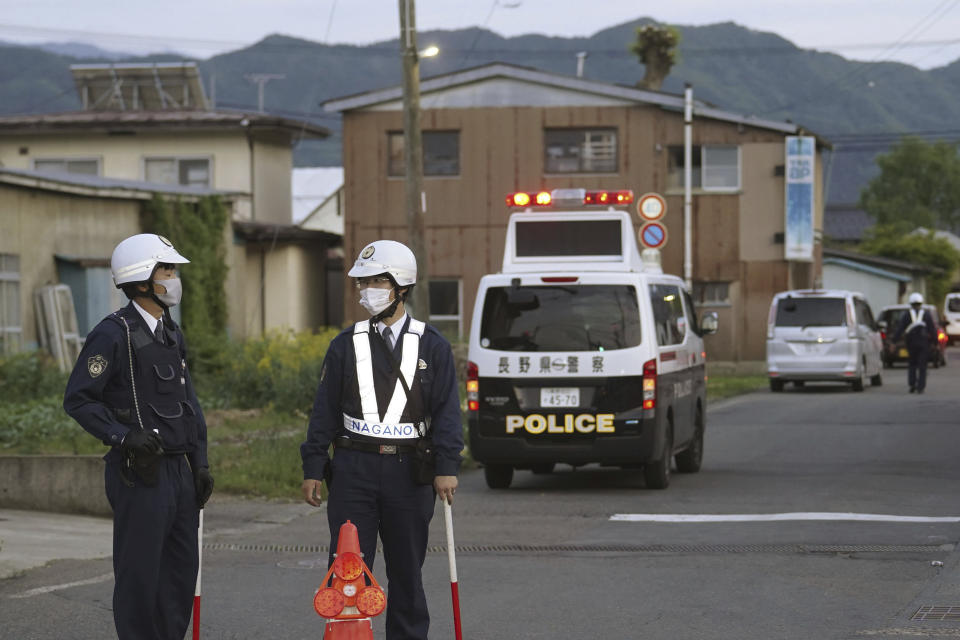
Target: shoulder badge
<point>96,365</point>
<point>422,364</point>
<point>368,252</point>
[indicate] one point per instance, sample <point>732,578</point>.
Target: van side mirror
<point>709,323</point>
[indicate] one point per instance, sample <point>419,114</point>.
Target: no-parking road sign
<point>653,235</point>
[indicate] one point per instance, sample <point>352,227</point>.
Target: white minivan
<point>823,335</point>
<point>951,315</point>
<point>580,352</point>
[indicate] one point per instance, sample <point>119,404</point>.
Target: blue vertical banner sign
<point>798,236</point>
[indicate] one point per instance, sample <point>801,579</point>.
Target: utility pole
<point>688,187</point>
<point>415,198</point>
<point>261,79</point>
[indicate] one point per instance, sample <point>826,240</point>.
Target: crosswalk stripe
<point>777,517</point>
<point>58,587</point>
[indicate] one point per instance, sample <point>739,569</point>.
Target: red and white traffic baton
<point>451,556</point>
<point>196,592</point>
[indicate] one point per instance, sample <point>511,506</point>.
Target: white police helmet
<point>916,298</point>
<point>135,258</point>
<point>386,256</point>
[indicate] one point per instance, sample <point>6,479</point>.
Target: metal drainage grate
<point>615,548</point>
<point>931,613</point>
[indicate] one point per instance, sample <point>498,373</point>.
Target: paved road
<point>545,560</point>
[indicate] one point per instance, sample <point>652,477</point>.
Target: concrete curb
<point>58,484</point>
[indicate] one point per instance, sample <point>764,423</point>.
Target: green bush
<point>40,425</point>
<point>30,375</point>
<point>280,370</point>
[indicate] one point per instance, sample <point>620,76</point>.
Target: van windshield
<point>811,312</point>
<point>953,304</point>
<point>560,318</point>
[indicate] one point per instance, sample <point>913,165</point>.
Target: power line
<point>862,67</point>
<point>333,8</point>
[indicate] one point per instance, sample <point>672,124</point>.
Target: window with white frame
<point>445,305</point>
<point>713,167</point>
<point>711,294</point>
<point>580,150</point>
<point>191,172</point>
<point>11,332</point>
<point>86,166</point>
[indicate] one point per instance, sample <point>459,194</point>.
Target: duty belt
<point>372,447</point>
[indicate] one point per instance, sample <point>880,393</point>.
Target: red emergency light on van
<point>569,197</point>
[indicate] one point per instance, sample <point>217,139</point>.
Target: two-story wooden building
<point>500,128</point>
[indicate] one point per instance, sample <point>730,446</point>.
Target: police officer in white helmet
<point>921,335</point>
<point>131,389</point>
<point>388,402</point>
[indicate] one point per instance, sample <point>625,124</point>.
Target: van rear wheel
<point>657,473</point>
<point>776,385</point>
<point>498,476</point>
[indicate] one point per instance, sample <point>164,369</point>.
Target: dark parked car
<point>894,352</point>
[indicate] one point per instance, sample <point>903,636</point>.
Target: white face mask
<point>173,294</point>
<point>375,300</point>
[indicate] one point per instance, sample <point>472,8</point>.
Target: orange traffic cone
<point>349,603</point>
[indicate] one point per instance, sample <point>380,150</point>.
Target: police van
<point>581,349</point>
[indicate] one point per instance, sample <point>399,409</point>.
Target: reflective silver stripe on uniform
<point>368,394</point>
<point>916,318</point>
<point>408,367</point>
<point>380,429</point>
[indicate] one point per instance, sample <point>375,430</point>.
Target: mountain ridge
<point>738,69</point>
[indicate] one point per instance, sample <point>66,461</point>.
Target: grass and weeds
<point>720,386</point>
<point>256,452</point>
<point>256,401</point>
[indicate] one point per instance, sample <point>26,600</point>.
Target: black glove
<point>203,482</point>
<point>142,443</point>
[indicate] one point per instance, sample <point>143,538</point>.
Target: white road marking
<point>776,517</point>
<point>58,587</point>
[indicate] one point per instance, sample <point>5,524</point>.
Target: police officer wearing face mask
<point>388,403</point>
<point>131,389</point>
<point>921,335</point>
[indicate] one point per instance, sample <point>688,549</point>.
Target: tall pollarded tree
<point>656,47</point>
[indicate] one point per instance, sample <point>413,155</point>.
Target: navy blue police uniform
<point>370,478</point>
<point>154,501</point>
<point>919,335</point>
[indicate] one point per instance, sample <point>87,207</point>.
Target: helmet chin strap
<point>153,295</point>
<point>389,311</point>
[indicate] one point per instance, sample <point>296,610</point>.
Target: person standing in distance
<point>921,334</point>
<point>388,402</point>
<point>131,390</point>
